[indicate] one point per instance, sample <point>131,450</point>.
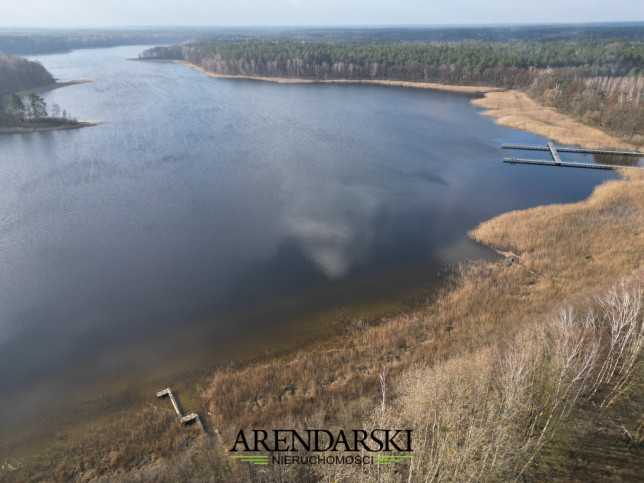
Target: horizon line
<point>327,26</point>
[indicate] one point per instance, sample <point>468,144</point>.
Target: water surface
<point>204,210</point>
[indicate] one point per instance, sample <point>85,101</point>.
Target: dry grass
<point>515,109</point>
<point>487,416</point>
<point>572,247</point>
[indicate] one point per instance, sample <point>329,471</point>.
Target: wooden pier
<point>547,162</point>
<point>554,153</point>
<point>609,152</point>
<point>183,419</point>
<point>556,159</point>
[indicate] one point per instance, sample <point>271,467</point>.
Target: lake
<point>207,219</point>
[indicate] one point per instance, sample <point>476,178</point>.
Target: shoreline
<point>30,129</point>
<point>509,107</point>
<point>290,80</point>
<point>514,109</point>
<point>45,88</point>
<point>51,87</point>
<point>484,305</point>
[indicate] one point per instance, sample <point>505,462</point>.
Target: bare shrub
<point>486,415</point>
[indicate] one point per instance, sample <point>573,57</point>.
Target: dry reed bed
<point>515,109</point>
<point>487,415</point>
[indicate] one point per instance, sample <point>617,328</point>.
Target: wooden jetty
<point>556,159</point>
<point>547,162</point>
<point>183,419</point>
<point>554,153</point>
<point>561,149</point>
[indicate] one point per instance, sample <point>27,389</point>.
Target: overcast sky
<point>101,13</point>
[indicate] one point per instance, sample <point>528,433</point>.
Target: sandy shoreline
<point>510,108</point>
<point>51,87</point>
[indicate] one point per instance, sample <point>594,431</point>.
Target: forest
<point>41,41</point>
<point>19,74</point>
<point>505,64</point>
<point>596,80</point>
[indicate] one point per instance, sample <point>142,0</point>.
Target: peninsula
<point>21,108</point>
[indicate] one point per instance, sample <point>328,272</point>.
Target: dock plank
<point>557,161</point>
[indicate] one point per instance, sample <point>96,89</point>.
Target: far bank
<point>510,107</point>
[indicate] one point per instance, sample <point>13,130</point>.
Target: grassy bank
<point>393,83</point>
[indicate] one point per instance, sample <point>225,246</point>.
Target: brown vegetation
<point>487,415</point>
<point>596,82</point>
<point>612,104</point>
<point>515,109</point>
<point>563,250</point>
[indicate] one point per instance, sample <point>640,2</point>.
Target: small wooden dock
<point>192,417</point>
<point>557,161</point>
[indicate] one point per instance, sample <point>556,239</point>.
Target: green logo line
<point>256,460</point>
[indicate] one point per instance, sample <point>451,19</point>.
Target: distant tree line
<point>38,42</point>
<point>530,33</point>
<point>17,74</point>
<point>505,64</point>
